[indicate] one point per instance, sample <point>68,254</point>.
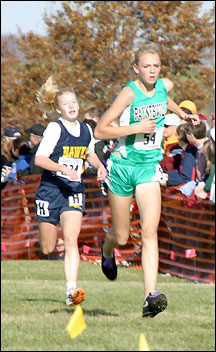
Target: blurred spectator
<point>205,120</point>
<point>171,150</point>
<point>187,168</point>
<point>102,149</point>
<point>212,124</point>
<point>35,135</point>
<point>197,135</point>
<point>21,151</point>
<point>188,107</point>
<point>7,156</point>
<point>213,120</point>
<point>207,189</point>
<point>92,113</point>
<point>89,169</point>
<point>11,133</point>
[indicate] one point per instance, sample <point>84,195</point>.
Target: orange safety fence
<point>186,231</point>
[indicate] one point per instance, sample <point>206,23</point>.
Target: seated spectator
<point>207,189</point>
<point>187,168</point>
<point>21,151</point>
<point>7,156</point>
<point>35,135</point>
<point>171,150</point>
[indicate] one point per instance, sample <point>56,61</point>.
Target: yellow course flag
<point>77,323</point>
<point>143,343</point>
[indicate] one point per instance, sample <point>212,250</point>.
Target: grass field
<point>34,314</point>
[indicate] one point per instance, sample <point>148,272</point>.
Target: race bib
<point>149,141</point>
<point>74,164</point>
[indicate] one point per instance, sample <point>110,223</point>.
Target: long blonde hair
<point>48,95</point>
<point>143,48</point>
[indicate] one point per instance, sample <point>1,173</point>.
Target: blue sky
<point>28,15</point>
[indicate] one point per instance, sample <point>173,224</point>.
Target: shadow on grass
<point>99,312</point>
<point>92,313</point>
<point>70,310</point>
<point>41,300</point>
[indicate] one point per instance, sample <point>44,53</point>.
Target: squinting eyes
<point>157,66</point>
<point>69,102</point>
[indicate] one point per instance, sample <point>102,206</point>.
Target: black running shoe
<point>109,266</point>
<point>154,304</point>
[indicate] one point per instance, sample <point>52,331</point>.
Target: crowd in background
<point>18,153</point>
<point>188,151</point>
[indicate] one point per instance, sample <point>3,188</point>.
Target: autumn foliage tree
<point>88,47</point>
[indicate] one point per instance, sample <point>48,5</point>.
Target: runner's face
<point>148,68</point>
<point>68,106</point>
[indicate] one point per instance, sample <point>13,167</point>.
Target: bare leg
<point>120,212</point>
<point>48,236</point>
<point>148,199</point>
<point>71,224</point>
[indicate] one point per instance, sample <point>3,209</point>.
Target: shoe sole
<point>78,297</point>
<point>158,305</point>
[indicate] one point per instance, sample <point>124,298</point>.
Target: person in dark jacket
<point>187,168</point>
<point>21,150</point>
<point>35,136</point>
<point>7,156</point>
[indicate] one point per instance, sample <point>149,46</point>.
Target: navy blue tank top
<point>72,152</point>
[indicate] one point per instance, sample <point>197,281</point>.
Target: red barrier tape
<point>186,232</point>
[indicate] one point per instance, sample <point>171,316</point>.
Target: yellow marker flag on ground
<point>143,343</point>
<point>77,323</point>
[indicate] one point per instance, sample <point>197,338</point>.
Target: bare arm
<point>104,130</point>
<point>175,108</point>
<point>168,84</point>
<point>95,161</point>
<point>178,111</point>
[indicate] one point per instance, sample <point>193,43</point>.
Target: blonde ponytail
<point>46,96</point>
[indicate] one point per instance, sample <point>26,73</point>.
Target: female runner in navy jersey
<point>60,198</point>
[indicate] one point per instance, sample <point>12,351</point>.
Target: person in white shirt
<point>60,198</point>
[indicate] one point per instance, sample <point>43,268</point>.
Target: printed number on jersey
<point>74,164</point>
<point>149,141</point>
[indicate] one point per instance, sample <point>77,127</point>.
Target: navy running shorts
<point>51,202</point>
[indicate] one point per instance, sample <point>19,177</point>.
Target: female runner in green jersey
<point>133,166</point>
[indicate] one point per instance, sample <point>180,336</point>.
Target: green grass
<point>34,314</point>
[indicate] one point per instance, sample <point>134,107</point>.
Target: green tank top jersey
<point>142,147</point>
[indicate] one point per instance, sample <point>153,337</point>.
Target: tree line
<point>88,47</point>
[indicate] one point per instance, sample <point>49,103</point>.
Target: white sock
<point>70,286</point>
